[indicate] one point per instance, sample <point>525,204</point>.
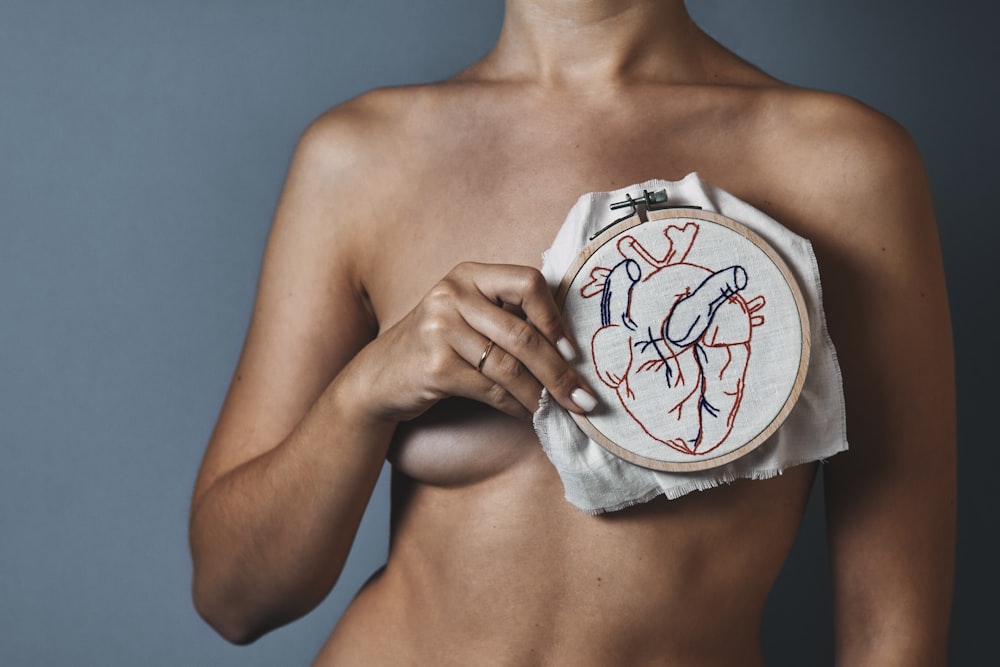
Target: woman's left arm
<point>891,498</point>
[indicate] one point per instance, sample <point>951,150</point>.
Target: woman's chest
<point>507,211</point>
<point>498,206</point>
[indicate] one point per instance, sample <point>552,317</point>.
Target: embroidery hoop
<point>761,427</point>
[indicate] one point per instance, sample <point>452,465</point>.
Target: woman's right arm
<point>316,396</point>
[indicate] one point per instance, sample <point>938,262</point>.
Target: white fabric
<point>596,480</point>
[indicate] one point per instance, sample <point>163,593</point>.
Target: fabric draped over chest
<point>627,350</point>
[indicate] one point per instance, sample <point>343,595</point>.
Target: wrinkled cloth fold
<point>596,481</point>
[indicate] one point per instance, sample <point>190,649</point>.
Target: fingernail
<point>583,399</point>
<point>566,349</point>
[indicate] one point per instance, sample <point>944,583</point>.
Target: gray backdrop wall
<point>142,147</point>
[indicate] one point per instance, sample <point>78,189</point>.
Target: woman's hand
<point>443,347</point>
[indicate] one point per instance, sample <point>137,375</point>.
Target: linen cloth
<point>597,481</point>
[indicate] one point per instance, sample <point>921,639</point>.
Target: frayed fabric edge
<point>673,493</point>
<point>625,504</point>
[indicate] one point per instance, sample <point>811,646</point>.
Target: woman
<point>401,314</point>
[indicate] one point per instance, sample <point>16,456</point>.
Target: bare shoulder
<point>831,153</point>
<point>853,181</point>
<point>364,127</point>
<point>349,159</point>
<point>346,141</point>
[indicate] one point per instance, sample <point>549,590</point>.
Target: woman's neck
<point>582,42</point>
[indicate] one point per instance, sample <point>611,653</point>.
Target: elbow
<point>240,599</point>
<point>234,633</point>
<point>220,597</point>
<point>242,612</point>
<point>227,617</point>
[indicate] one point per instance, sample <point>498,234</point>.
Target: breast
<point>459,442</point>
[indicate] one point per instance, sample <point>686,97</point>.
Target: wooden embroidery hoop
<point>697,462</point>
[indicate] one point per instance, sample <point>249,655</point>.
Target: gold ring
<point>486,353</point>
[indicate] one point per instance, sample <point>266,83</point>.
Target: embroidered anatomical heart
<point>676,313</point>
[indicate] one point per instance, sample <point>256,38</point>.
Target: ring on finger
<point>486,353</point>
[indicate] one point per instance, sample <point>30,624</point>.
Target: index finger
<point>526,288</point>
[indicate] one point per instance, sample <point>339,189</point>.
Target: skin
<point>409,212</point>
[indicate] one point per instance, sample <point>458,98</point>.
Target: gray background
<point>142,147</point>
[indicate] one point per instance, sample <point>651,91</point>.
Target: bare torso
<point>370,319</point>
<point>363,334</point>
<point>489,564</point>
